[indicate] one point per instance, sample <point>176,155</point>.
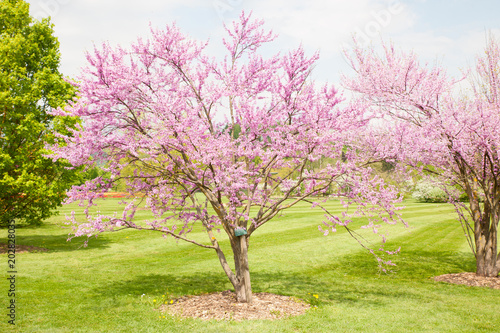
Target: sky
<point>450,32</point>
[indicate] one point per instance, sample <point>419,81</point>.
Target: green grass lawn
<point>117,283</point>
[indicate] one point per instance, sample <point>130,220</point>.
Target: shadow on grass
<point>175,285</point>
<point>338,290</point>
<point>341,289</point>
<point>350,279</point>
<point>415,264</point>
<point>356,278</point>
<point>59,243</point>
<point>433,263</point>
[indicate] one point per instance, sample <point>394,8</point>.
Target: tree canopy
<point>225,144</point>
<point>31,185</point>
<point>433,126</point>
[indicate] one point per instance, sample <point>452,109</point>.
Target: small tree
<point>31,185</point>
<point>228,144</point>
<point>429,124</point>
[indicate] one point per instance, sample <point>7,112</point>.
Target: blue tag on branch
<point>240,231</point>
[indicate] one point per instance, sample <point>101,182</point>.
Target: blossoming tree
<point>226,145</point>
<point>454,136</point>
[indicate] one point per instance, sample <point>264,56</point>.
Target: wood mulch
<point>223,306</point>
<point>470,279</point>
<point>4,248</point>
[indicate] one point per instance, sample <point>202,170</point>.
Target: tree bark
<point>487,263</point>
<point>487,259</point>
<point>240,279</point>
<point>242,285</point>
<point>486,239</point>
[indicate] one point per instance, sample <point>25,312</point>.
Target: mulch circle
<point>4,248</point>
<point>223,306</point>
<point>470,279</point>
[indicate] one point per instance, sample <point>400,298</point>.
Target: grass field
<point>117,283</point>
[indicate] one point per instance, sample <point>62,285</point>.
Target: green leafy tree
<point>31,185</point>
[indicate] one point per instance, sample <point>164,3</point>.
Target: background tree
<point>31,185</point>
<point>429,122</point>
<point>222,144</point>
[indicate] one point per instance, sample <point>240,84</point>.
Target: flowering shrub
<point>427,191</point>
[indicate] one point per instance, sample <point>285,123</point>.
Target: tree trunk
<point>240,280</point>
<point>485,238</point>
<point>242,285</point>
<point>487,259</point>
